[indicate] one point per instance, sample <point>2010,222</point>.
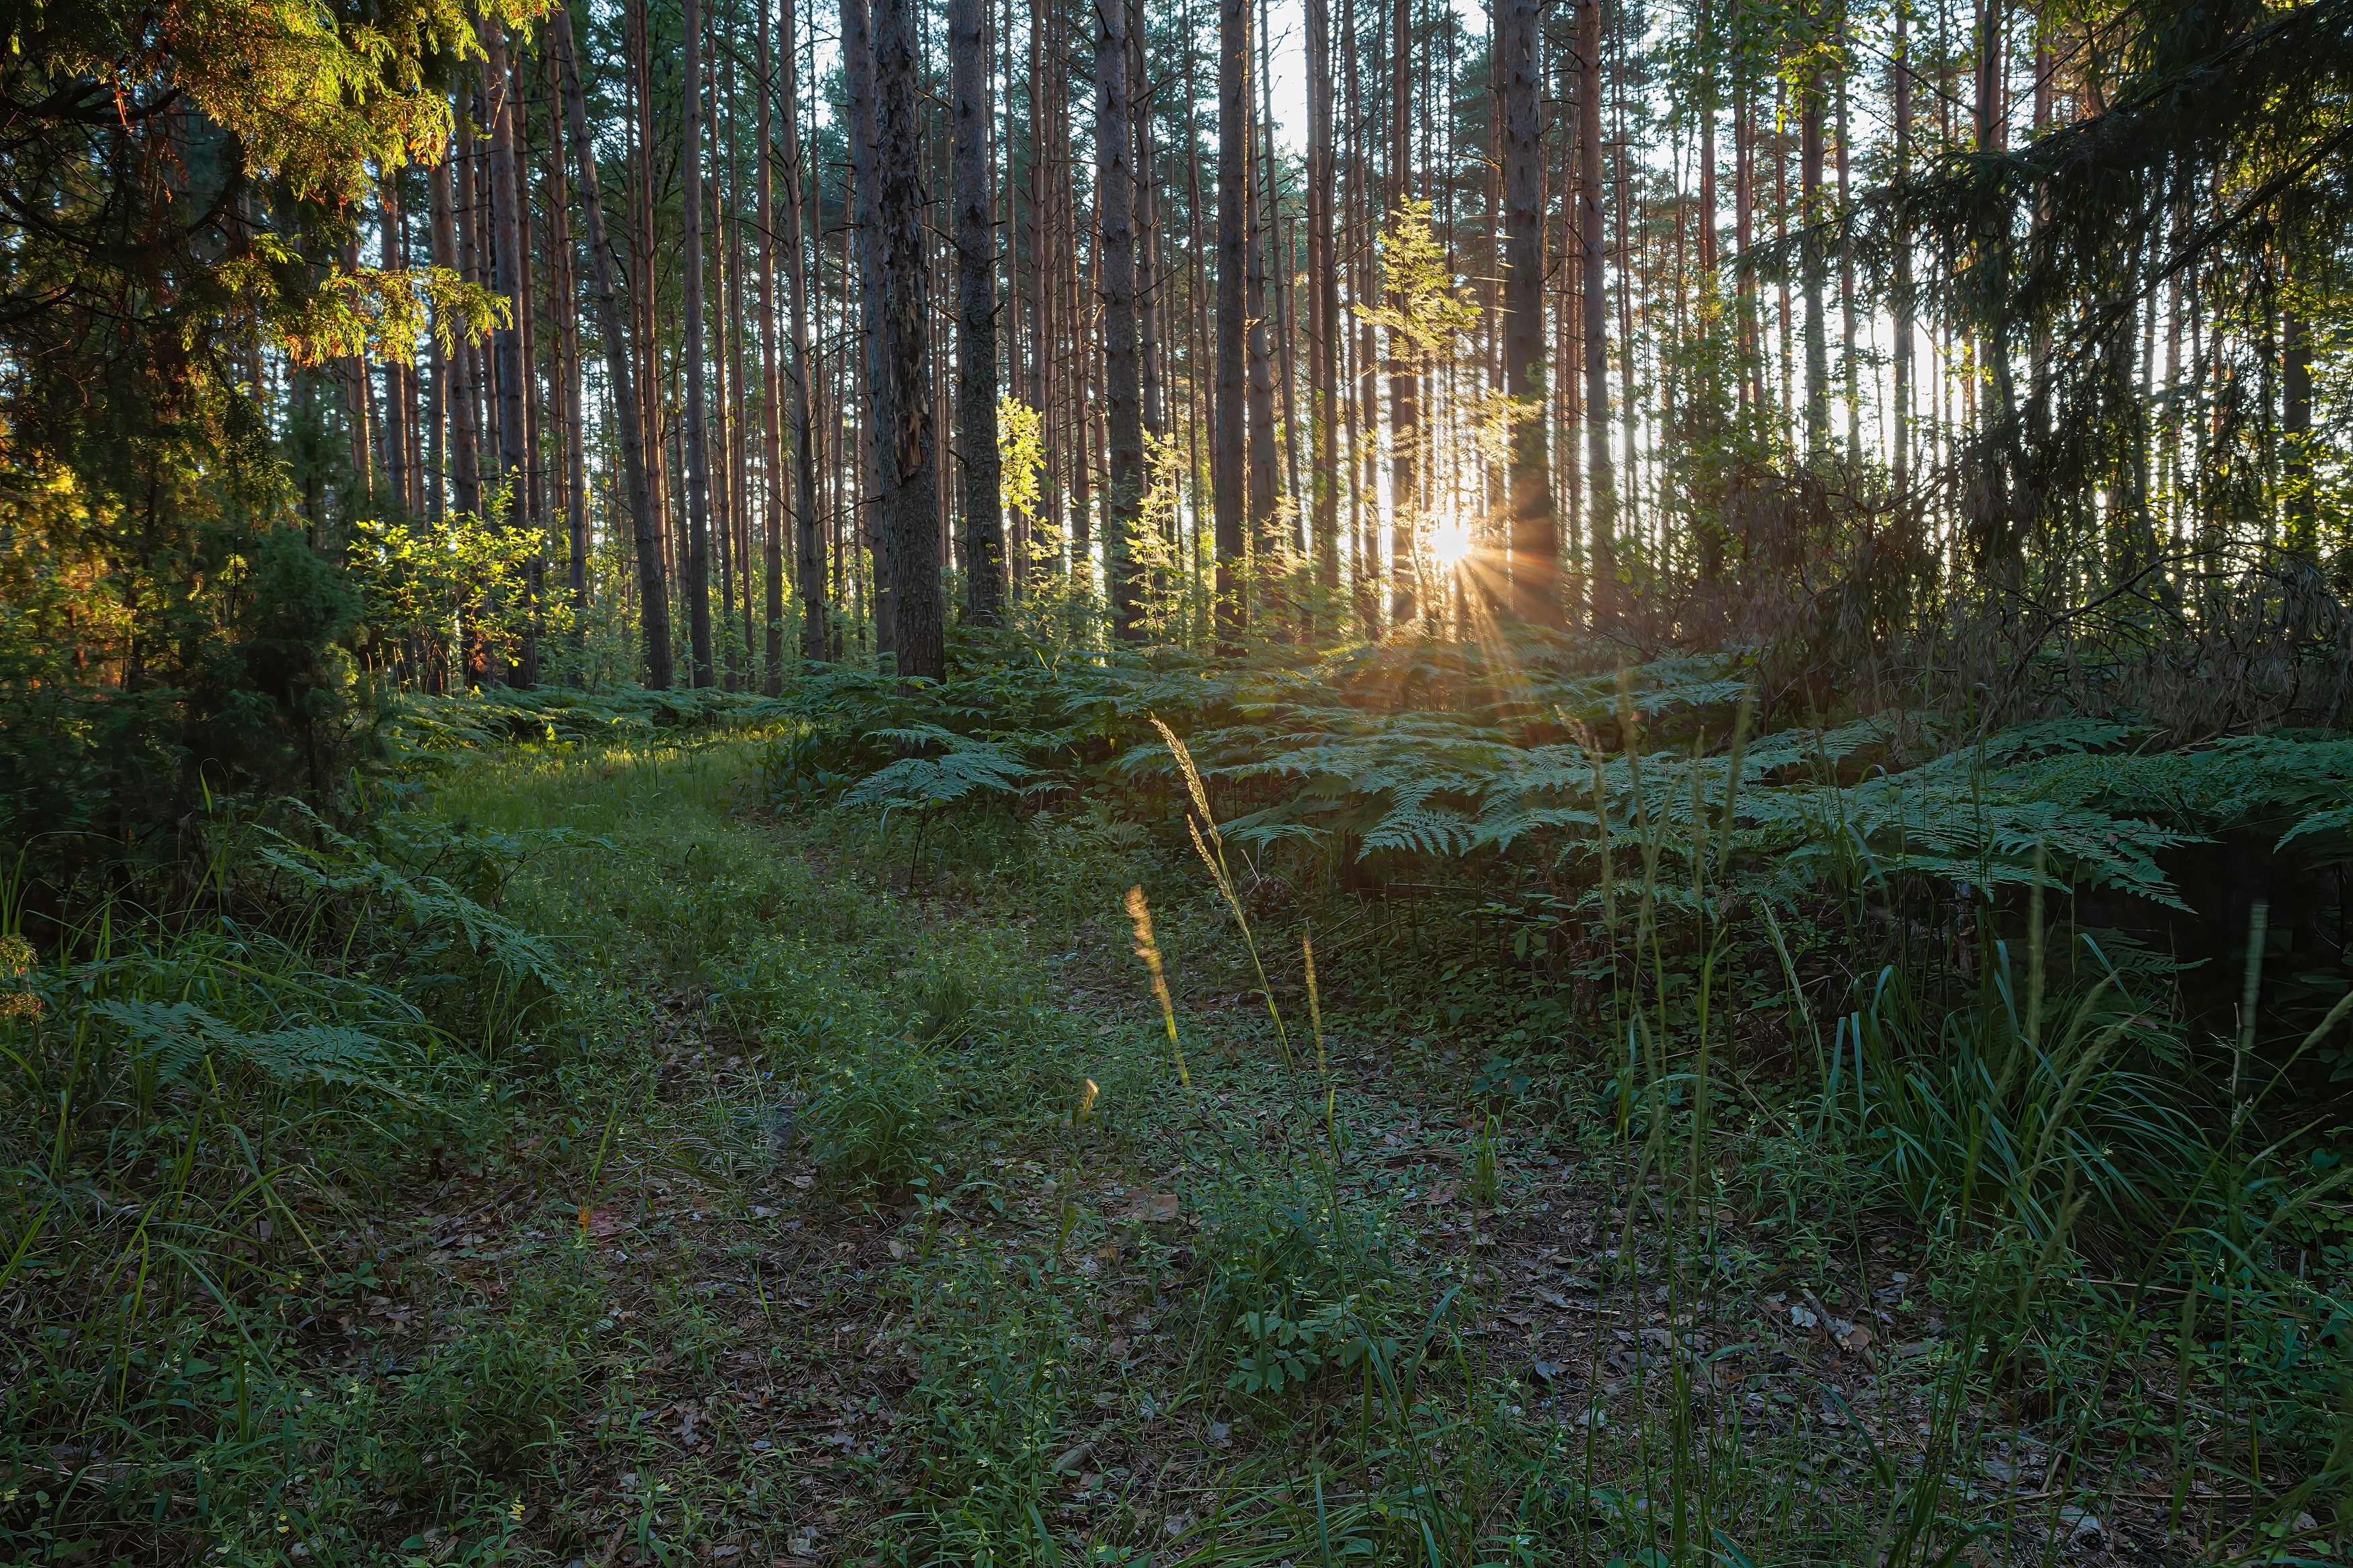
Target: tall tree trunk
<point>1405,391</point>
<point>651,415</point>
<point>1147,231</point>
<point>772,453</point>
<point>1535,545</point>
<point>1993,119</point>
<point>506,220</point>
<point>1281,319</point>
<point>1116,272</point>
<point>1744,231</point>
<point>565,285</point>
<point>808,538</point>
<point>535,469</point>
<point>1849,386</point>
<point>1229,452</point>
<point>397,372</point>
<point>1603,524</point>
<point>1365,403</point>
<point>875,472</point>
<point>904,443</point>
<point>726,211</point>
<point>653,591</point>
<point>1323,304</point>
<point>698,436</point>
<point>440,398</point>
<point>975,243</point>
<point>1811,216</point>
<point>454,199</point>
<point>1900,418</point>
<point>1265,557</point>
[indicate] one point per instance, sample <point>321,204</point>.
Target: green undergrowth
<point>643,1136</point>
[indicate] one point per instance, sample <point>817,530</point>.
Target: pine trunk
<point>507,255</point>
<point>873,472</point>
<point>903,414</point>
<point>976,244</point>
<point>1116,272</point>
<point>1535,547</point>
<point>1229,452</point>
<point>1405,391</point>
<point>1323,304</point>
<point>1600,470</point>
<point>808,537</point>
<point>771,454</point>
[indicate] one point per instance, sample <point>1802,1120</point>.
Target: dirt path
<point>902,1242</point>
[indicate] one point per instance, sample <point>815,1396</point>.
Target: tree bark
<point>1602,526</point>
<point>1405,391</point>
<point>698,435</point>
<point>808,537</point>
<point>507,256</point>
<point>1116,272</point>
<point>563,283</point>
<point>975,243</point>
<point>1811,216</point>
<point>911,526</point>
<point>1535,545</point>
<point>772,445</point>
<point>1258,239</point>
<point>1322,303</point>
<point>1230,451</point>
<point>453,235</point>
<point>397,425</point>
<point>874,472</point>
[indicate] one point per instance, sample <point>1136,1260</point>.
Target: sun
<point>1451,543</point>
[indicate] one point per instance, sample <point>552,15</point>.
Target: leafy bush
<point>229,690</point>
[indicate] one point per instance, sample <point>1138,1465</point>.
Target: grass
<point>596,1164</point>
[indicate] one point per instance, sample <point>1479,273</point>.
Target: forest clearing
<point>1316,782</point>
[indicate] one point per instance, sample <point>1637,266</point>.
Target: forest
<point>1269,782</point>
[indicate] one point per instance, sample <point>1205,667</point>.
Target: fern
<point>178,1037</point>
<point>965,767</point>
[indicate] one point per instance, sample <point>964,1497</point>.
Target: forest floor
<point>882,1227</point>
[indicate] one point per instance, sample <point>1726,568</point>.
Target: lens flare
<point>1451,543</point>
